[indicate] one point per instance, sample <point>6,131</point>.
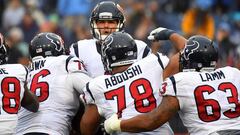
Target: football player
<point>132,88</point>
<point>57,80</point>
<point>206,98</point>
<point>14,92</point>
<point>106,17</point>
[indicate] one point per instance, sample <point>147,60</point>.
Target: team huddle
<point>121,82</point>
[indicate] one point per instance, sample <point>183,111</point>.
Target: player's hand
<point>112,124</point>
<point>160,34</point>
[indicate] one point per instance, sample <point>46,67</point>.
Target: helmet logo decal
<point>190,48</point>
<point>105,47</point>
<point>109,41</point>
<point>52,41</point>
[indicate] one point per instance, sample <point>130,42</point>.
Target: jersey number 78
<point>138,97</point>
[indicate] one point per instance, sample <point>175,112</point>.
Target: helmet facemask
<point>106,11</point>
<point>105,60</point>
<point>102,33</point>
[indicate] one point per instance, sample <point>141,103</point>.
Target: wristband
<point>164,35</point>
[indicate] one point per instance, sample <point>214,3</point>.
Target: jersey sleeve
<point>88,95</point>
<point>77,81</point>
<point>77,75</point>
<point>94,94</point>
<point>73,64</point>
<point>22,73</point>
<point>169,87</point>
<point>74,50</point>
<point>143,49</point>
<point>163,59</point>
<point>93,90</point>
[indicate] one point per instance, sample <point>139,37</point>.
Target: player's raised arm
<point>178,43</point>
<point>162,33</point>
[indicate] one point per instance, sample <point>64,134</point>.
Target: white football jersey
<point>87,51</point>
<point>13,78</point>
<point>130,93</point>
<point>59,101</point>
<point>209,101</point>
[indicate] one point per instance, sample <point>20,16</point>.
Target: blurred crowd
<point>219,20</point>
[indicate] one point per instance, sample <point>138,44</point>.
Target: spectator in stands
<point>226,47</point>
<point>198,20</point>
<point>37,14</point>
<point>13,14</point>
<point>28,26</point>
<point>18,49</point>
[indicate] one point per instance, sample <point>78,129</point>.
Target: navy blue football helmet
<point>46,44</point>
<point>199,53</point>
<point>118,49</point>
<point>106,10</point>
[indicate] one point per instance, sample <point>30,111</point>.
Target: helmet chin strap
<point>99,35</point>
<point>103,37</point>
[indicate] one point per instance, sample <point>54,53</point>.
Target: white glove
<point>160,34</point>
<point>112,124</point>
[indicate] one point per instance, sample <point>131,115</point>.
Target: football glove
<point>160,34</point>
<point>112,124</point>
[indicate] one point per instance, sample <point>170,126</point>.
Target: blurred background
<point>20,20</point>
